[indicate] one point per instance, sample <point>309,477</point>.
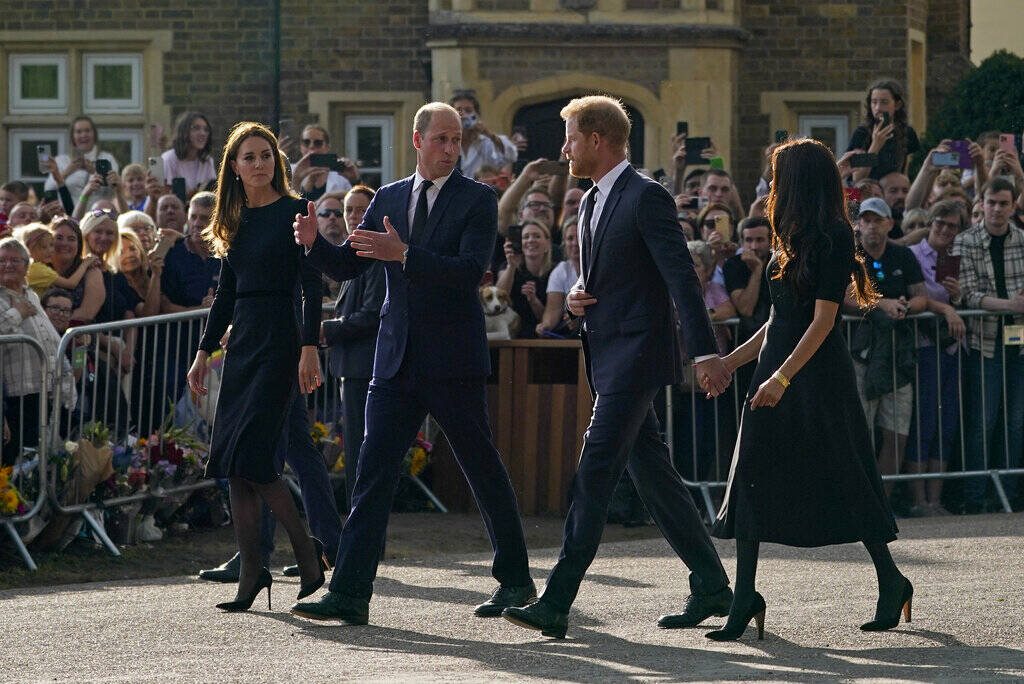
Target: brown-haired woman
<point>886,132</point>
<point>261,270</point>
<point>190,155</point>
<point>804,470</point>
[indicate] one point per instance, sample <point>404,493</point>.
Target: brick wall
<point>949,47</point>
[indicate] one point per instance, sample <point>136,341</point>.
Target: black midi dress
<point>259,282</point>
<point>803,472</point>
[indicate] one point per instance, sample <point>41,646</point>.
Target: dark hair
<point>466,95</point>
<point>56,292</point>
<point>899,117</point>
<point>999,184</point>
<point>364,190</point>
<point>754,222</point>
<point>227,214</point>
<point>804,205</point>
<point>946,208</point>
<point>95,133</point>
<point>985,136</point>
<point>721,173</point>
<point>16,188</point>
<point>712,207</point>
<point>182,128</point>
<point>695,172</point>
<point>63,220</point>
<point>317,127</point>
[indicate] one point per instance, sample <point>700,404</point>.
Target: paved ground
<point>968,610</point>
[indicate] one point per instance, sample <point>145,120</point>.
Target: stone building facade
<point>735,70</point>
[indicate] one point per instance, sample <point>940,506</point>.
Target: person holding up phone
<point>927,185</point>
<point>78,167</point>
<point>190,156</point>
<point>318,172</point>
<point>527,198</point>
<point>479,144</point>
<point>525,277</point>
<point>938,370</point>
<point>886,131</point>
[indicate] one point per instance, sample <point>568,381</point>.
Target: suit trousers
<point>624,435</point>
<point>301,454</point>
<point>395,409</point>
<point>353,425</point>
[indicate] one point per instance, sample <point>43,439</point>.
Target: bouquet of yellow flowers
<point>418,456</point>
<point>11,501</point>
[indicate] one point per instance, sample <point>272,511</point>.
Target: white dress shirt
<point>432,192</point>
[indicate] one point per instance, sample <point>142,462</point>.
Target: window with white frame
<point>831,129</point>
<point>38,84</point>
<point>369,141</point>
<point>24,147</point>
<point>124,143</point>
<point>112,83</point>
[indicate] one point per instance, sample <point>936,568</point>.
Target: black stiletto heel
<point>321,562</point>
<point>884,622</point>
<point>756,613</point>
<point>240,605</point>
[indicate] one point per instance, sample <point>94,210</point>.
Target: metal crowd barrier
<point>23,465</point>
<point>706,465</point>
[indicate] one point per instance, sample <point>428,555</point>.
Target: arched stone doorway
<point>546,130</point>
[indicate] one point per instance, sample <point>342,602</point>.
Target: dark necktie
<point>586,236</point>
<point>419,218</point>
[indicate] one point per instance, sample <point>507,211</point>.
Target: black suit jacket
<point>431,313</point>
<point>639,266</point>
<point>352,335</point>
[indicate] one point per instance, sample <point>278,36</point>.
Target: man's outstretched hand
<point>713,375</point>
<point>306,227</point>
<point>386,246</point>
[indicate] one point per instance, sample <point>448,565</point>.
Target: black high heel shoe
<point>755,612</point>
<point>240,605</point>
<point>884,622</point>
<point>321,561</point>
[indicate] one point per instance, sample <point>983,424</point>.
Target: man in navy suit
<point>434,231</point>
<point>635,266</point>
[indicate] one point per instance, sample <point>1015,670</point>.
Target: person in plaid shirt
<point>992,278</point>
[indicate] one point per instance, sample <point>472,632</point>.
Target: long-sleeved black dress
<point>256,294</point>
<point>804,472</point>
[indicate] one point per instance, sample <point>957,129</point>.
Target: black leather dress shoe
<point>335,606</point>
<point>539,616</point>
<point>506,597</point>
<point>227,573</point>
<point>699,607</point>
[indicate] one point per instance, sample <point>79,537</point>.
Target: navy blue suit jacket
<point>639,266</point>
<point>352,335</point>
<point>432,312</point>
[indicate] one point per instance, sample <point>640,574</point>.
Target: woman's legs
<point>743,586</point>
<point>892,585</point>
<point>277,496</point>
<point>245,515</point>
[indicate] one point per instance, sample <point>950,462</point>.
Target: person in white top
<point>561,280</point>
<point>77,167</point>
<point>190,157</point>
<point>479,145</point>
<point>317,181</point>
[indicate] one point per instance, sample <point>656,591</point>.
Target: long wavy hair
<point>899,117</point>
<point>182,130</point>
<point>805,203</point>
<point>227,213</point>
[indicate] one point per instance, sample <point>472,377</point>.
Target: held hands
<point>309,370</point>
<point>713,375</point>
<point>386,246</point>
<point>197,375</point>
<point>578,301</point>
<point>306,227</point>
<point>768,394</point>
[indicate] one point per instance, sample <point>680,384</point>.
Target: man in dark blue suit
<point>434,231</point>
<point>635,266</point>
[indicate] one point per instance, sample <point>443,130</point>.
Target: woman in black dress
<point>261,270</point>
<point>804,473</point>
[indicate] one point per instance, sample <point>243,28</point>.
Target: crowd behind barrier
<point>111,280</point>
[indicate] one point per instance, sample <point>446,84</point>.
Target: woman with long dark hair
<point>190,156</point>
<point>804,473</point>
<point>886,132</point>
<point>261,270</point>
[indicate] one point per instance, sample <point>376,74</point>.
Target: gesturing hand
<point>306,227</point>
<point>386,246</point>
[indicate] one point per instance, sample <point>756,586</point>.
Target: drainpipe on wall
<point>275,41</point>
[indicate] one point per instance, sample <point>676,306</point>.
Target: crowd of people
<point>124,242</point>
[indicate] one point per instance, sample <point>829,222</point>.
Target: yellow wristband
<point>781,379</point>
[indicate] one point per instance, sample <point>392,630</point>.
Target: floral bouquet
<point>418,456</point>
<point>11,501</point>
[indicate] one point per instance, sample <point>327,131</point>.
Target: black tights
<point>245,513</point>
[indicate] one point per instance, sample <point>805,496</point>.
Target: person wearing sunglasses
<point>883,344</point>
<point>316,181</point>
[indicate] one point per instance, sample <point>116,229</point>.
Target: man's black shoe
<point>335,606</point>
<point>227,573</point>
<point>539,616</point>
<point>506,597</point>
<point>699,607</point>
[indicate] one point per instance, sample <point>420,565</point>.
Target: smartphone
<point>326,161</point>
<point>885,118</point>
<point>178,188</point>
<point>163,246</point>
<point>781,136</point>
<point>682,128</point>
<point>947,159</point>
<point>156,169</point>
<point>863,161</point>
<point>43,154</point>
<point>1009,142</point>
<point>694,148</point>
<point>691,203</point>
<point>949,267</point>
<point>963,149</point>
<point>553,168</point>
<point>723,226</point>
<point>717,163</point>
<point>515,236</point>
<point>103,167</point>
<point>286,128</point>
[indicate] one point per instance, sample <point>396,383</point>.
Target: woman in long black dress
<point>261,270</point>
<point>804,473</point>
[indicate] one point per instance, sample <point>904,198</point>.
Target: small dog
<point>502,322</point>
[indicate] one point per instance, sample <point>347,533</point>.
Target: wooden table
<point>539,404</point>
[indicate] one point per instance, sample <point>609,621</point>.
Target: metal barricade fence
<point>709,428</point>
<point>26,455</point>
